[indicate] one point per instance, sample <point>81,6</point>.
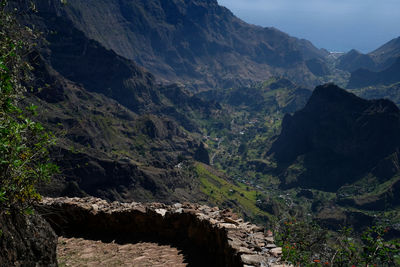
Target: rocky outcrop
<point>86,62</point>
<point>26,240</point>
<point>218,236</point>
<point>337,139</point>
<point>201,154</point>
<point>122,133</point>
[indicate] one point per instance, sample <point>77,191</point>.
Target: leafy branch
<point>24,143</point>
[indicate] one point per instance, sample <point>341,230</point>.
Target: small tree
<point>24,143</point>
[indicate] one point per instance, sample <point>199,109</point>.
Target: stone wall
<point>210,236</point>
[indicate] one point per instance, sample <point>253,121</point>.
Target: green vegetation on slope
<point>304,243</point>
<point>227,194</point>
<point>391,92</point>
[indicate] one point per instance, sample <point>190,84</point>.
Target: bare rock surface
<point>207,236</point>
<point>26,240</point>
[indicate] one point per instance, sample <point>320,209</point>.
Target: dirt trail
<point>89,253</point>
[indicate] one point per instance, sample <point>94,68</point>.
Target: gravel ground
<point>82,252</point>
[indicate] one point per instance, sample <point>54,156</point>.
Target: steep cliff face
<point>338,139</point>
<point>109,151</point>
<point>121,134</point>
<point>198,43</point>
<point>86,62</point>
<point>26,240</point>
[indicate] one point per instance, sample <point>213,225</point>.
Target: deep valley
<point>181,101</point>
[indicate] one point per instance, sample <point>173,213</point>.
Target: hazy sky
<point>337,25</point>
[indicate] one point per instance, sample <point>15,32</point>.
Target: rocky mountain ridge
<point>339,137</point>
<point>354,60</point>
<point>128,137</point>
<point>379,67</point>
<point>386,54</point>
<point>378,60</point>
<point>366,78</point>
<point>197,43</point>
<point>122,134</point>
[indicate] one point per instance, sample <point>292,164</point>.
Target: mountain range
<point>364,77</point>
<point>345,145</point>
<point>180,100</point>
<point>121,133</point>
<point>198,43</point>
<point>380,67</point>
<point>338,138</point>
<point>377,60</point>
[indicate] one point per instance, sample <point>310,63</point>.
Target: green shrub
<point>24,143</point>
<point>306,244</point>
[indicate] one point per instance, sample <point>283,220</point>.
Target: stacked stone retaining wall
<point>212,236</point>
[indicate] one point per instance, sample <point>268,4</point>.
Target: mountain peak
<point>354,52</point>
<point>329,96</point>
<point>337,138</point>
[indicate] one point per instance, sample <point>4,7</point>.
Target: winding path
<point>91,253</point>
